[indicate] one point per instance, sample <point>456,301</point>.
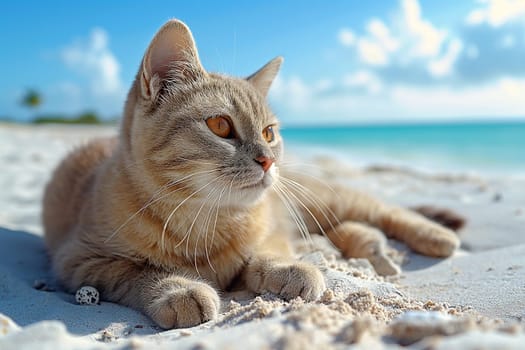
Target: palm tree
<point>32,99</point>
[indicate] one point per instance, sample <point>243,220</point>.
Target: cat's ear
<point>263,78</point>
<point>171,55</point>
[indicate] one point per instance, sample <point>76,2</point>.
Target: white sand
<point>474,299</point>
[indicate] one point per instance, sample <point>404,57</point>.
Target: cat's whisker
<point>305,207</point>
<point>141,210</point>
<point>201,229</point>
<point>152,201</point>
<point>206,227</point>
<point>180,205</point>
<point>162,239</point>
<point>217,207</point>
<point>190,231</point>
<point>184,178</point>
<point>230,191</point>
<point>313,177</point>
<point>318,203</point>
<point>174,182</point>
<point>300,218</point>
<point>294,212</point>
<point>313,200</point>
<point>217,194</point>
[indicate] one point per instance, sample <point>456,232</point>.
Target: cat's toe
<point>296,280</point>
<point>186,306</point>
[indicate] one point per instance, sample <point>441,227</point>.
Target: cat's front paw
<point>185,306</point>
<point>295,279</point>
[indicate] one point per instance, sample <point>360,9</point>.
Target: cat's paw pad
<point>185,306</point>
<point>298,279</point>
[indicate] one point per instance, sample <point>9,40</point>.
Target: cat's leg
<point>286,278</point>
<point>332,205</point>
<point>419,233</point>
<point>357,240</point>
<point>171,300</point>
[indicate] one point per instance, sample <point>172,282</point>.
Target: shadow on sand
<point>23,261</point>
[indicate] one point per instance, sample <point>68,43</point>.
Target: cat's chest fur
<point>198,240</point>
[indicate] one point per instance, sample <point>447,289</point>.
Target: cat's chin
<point>251,194</point>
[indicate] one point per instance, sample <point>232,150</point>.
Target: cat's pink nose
<point>265,162</point>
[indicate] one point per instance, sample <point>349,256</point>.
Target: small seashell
<point>87,295</point>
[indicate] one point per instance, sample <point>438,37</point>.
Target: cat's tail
<point>443,216</point>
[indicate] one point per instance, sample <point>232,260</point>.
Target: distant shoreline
<point>288,126</point>
<point>407,123</point>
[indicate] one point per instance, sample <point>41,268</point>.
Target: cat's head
<point>213,135</point>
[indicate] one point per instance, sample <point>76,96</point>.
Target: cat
<point>180,205</point>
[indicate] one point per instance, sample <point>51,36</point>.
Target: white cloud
<point>381,33</point>
<point>293,93</point>
<point>409,49</point>
<point>346,37</point>
<point>363,79</point>
<point>408,37</point>
<point>375,48</point>
<point>94,60</point>
<point>497,12</point>
<point>96,83</point>
<point>475,17</point>
<point>408,68</point>
<point>372,53</point>
<point>400,102</point>
<point>502,98</point>
<point>426,39</point>
<point>443,66</point>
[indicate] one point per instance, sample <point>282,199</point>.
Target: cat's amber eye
<point>268,134</point>
<point>220,126</point>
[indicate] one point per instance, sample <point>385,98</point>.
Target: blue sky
<point>345,61</point>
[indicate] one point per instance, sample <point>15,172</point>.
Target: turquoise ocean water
<point>496,148</point>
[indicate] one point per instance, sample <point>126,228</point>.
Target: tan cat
<point>181,205</point>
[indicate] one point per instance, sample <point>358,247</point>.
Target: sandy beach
<point>474,299</point>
